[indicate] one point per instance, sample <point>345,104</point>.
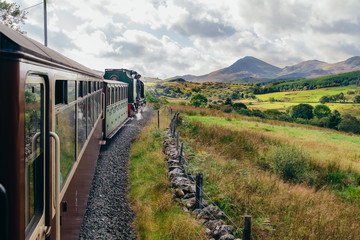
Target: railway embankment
<point>109,214</point>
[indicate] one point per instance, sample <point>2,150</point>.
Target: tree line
<point>339,80</point>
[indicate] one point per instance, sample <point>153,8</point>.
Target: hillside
<point>253,70</point>
<point>315,68</point>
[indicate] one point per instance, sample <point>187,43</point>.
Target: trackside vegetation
<point>157,215</point>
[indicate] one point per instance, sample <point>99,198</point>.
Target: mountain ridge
<point>251,67</point>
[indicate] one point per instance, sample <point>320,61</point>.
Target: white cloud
<point>210,34</point>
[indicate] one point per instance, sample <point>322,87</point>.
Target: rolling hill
<point>253,69</point>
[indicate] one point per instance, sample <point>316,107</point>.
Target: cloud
<point>176,37</point>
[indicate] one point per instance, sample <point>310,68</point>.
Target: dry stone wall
<point>184,185</point>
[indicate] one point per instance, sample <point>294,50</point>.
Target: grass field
<point>228,152</point>
<point>310,96</point>
<point>326,146</point>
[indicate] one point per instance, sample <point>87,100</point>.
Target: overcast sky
<point>164,38</point>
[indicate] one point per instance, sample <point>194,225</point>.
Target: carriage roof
<point>12,41</point>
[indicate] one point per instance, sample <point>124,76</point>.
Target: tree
<point>349,124</point>
<point>238,106</point>
<point>321,111</point>
<point>235,95</point>
<point>198,100</point>
<point>357,99</point>
<point>334,120</point>
<point>11,15</point>
<point>324,99</point>
<point>341,96</point>
<point>303,110</point>
<point>228,101</point>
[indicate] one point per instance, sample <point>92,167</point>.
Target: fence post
<point>180,154</point>
<point>247,228</point>
<point>158,119</point>
<point>199,183</point>
<point>177,141</point>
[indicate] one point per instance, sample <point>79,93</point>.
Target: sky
<point>166,38</point>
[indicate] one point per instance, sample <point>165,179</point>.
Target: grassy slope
<point>280,210</point>
<point>157,216</point>
<point>324,145</point>
<point>306,96</point>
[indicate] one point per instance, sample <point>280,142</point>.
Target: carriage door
<point>35,133</point>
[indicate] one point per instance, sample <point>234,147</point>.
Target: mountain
<point>243,68</point>
<point>253,68</point>
<point>315,68</point>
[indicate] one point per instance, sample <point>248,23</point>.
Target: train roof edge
<point>12,41</point>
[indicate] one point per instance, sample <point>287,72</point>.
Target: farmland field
<point>324,145</point>
<point>235,154</point>
<point>309,96</point>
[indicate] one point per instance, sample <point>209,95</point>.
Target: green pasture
<point>343,108</point>
<point>324,145</point>
<point>306,96</point>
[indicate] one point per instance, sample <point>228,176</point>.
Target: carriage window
<point>122,93</point>
<point>66,130</point>
<point>71,91</point>
<point>81,125</point>
<point>117,94</point>
<point>90,123</point>
<point>94,86</point>
<point>34,149</point>
<point>85,88</point>
<point>89,87</point>
<point>61,92</point>
<point>80,88</point>
<point>112,95</point>
<point>108,97</point>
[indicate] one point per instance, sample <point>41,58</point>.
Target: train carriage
<point>51,126</point>
<point>116,103</point>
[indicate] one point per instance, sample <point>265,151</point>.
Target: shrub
<point>349,124</point>
<point>245,112</point>
<point>334,120</point>
<point>324,99</point>
<point>258,113</point>
<point>302,110</point>
<point>321,111</point>
<point>228,101</point>
<point>226,109</point>
<point>198,100</point>
<point>163,100</point>
<point>237,106</point>
<point>357,99</point>
<point>289,162</point>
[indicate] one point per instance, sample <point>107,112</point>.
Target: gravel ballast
<point>109,214</point>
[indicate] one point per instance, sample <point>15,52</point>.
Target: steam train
<point>55,114</point>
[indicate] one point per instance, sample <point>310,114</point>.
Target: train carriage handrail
<point>57,183</point>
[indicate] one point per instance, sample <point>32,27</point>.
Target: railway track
<point>109,214</point>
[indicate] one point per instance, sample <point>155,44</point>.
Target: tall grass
<point>281,209</point>
<point>325,146</point>
<point>157,215</point>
